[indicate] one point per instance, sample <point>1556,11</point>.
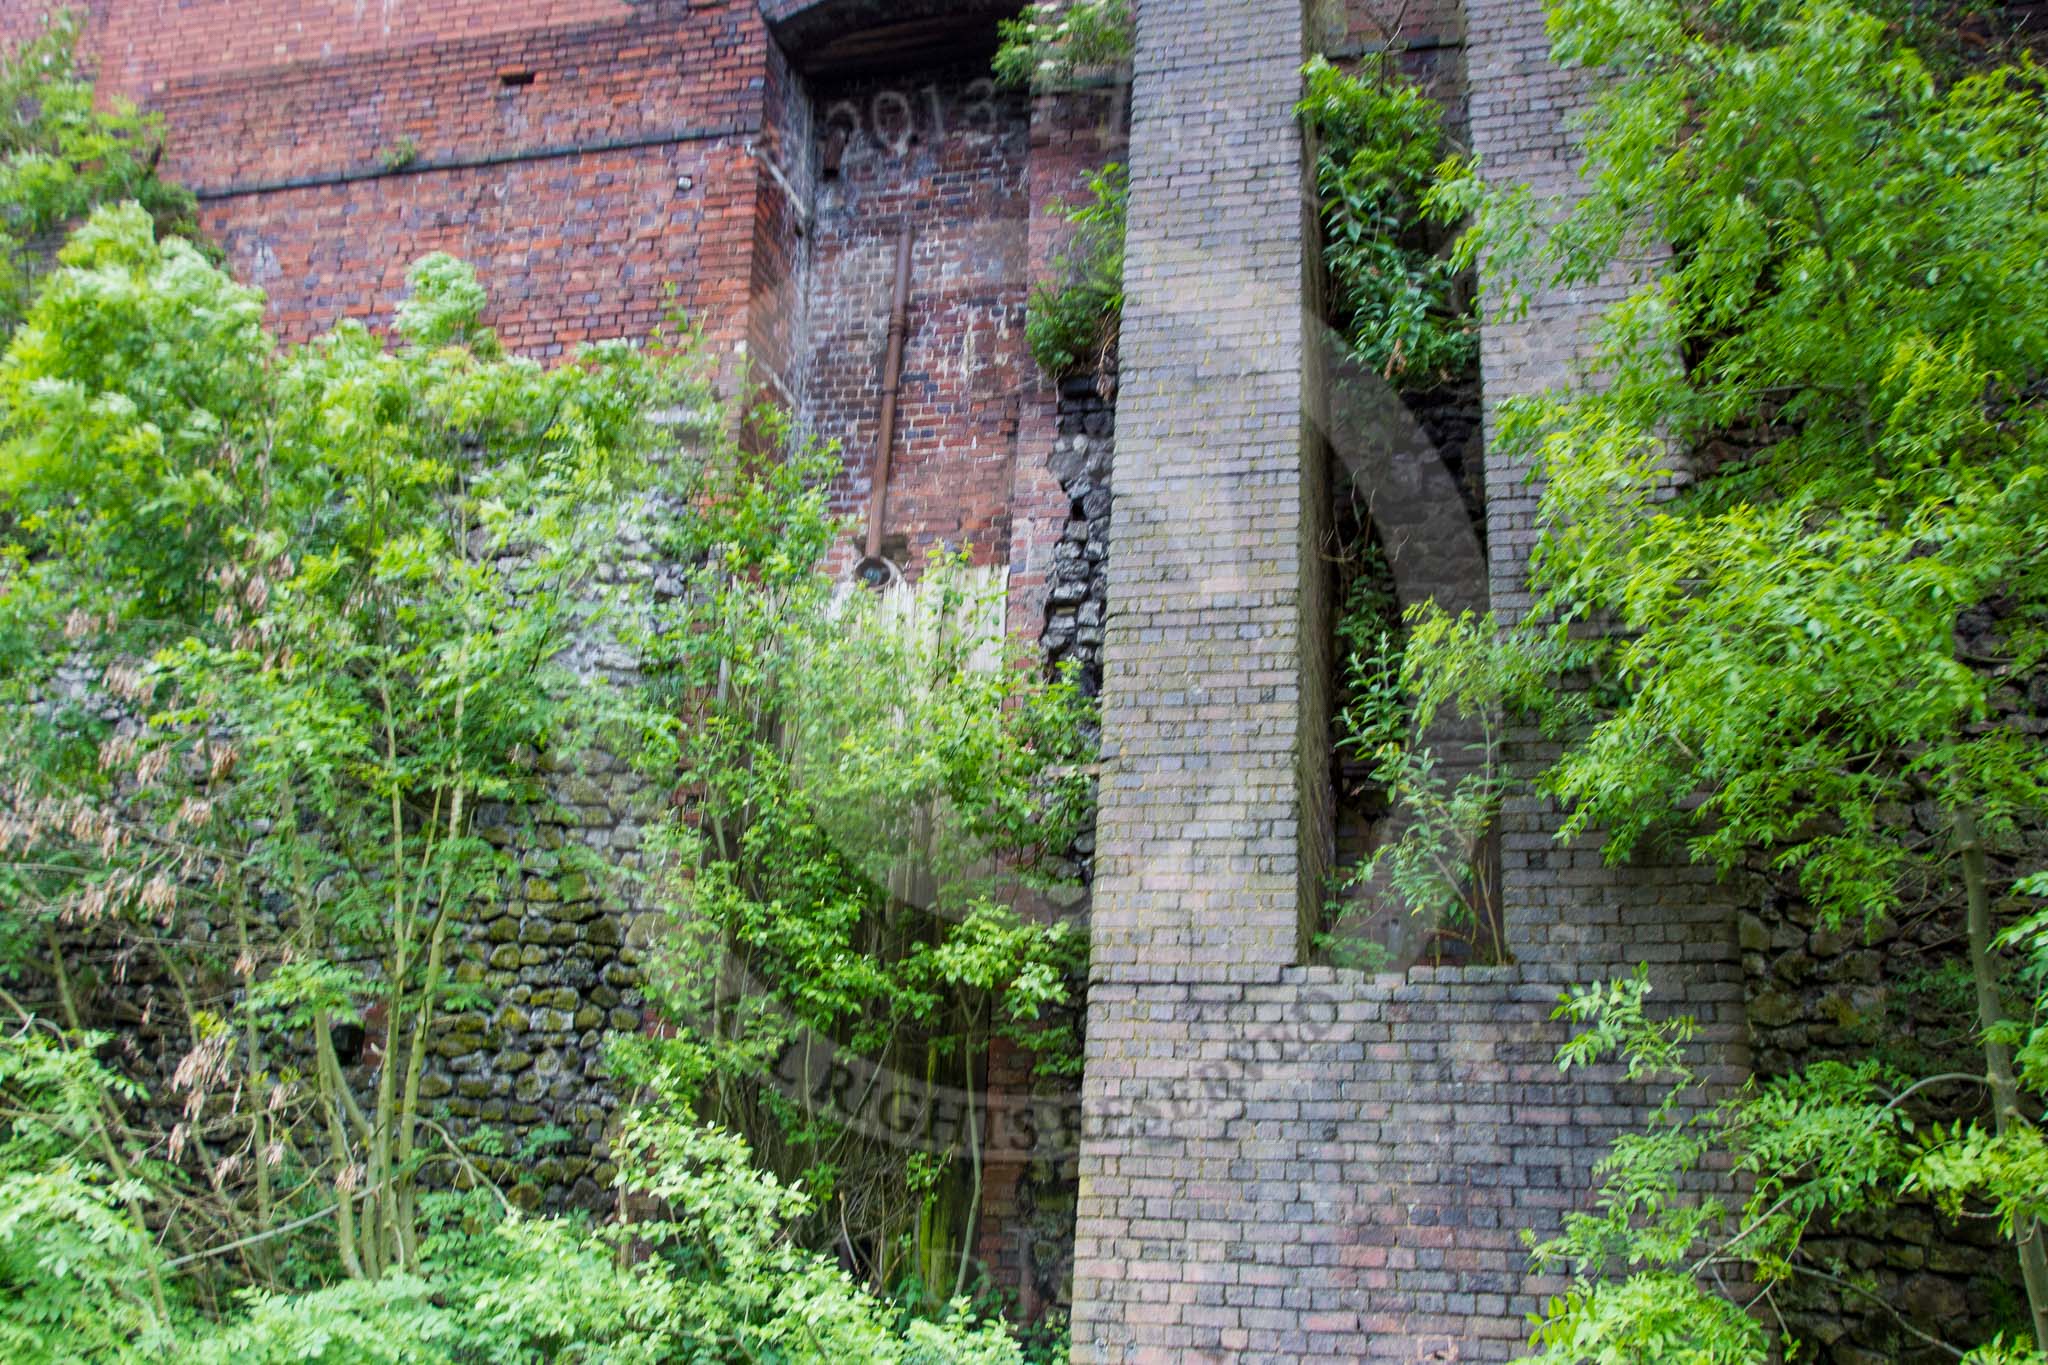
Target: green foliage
<point>1405,688</point>
<point>327,597</point>
<point>875,782</point>
<point>70,1245</point>
<point>1853,279</point>
<point>60,157</point>
<point>1074,319</point>
<point>1834,1141</point>
<point>1398,296</point>
<point>720,1278</point>
<point>1775,660</point>
<point>1059,45</point>
<point>329,591</point>
<point>275,629</point>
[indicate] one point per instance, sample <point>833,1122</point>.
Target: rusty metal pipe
<point>892,382</point>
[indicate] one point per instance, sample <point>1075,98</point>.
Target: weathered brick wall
<point>1073,133</point>
<point>585,164</point>
<point>146,43</point>
<point>1201,861</point>
<point>785,198</point>
<point>18,24</point>
<point>943,153</point>
<point>1284,1162</point>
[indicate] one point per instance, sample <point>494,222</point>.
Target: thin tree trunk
<point>974,1162</point>
<point>344,1204</point>
<point>2005,1092</point>
<point>259,1256</point>
<point>416,1063</point>
<point>383,1246</point>
<point>115,1163</point>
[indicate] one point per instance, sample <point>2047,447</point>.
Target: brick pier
<point>1286,1162</point>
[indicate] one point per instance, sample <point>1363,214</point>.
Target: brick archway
<point>848,37</point>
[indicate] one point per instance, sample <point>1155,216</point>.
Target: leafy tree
<point>1399,297</point>
<point>329,594</point>
<point>60,157</point>
<point>719,1278</point>
<point>1833,624</point>
<point>876,784</point>
<point>276,628</point>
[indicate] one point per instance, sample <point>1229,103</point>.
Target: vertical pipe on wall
<point>873,570</point>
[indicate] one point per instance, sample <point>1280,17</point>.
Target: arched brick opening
<point>855,37</point>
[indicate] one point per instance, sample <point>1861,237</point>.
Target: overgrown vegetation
<point>60,158</point>
<point>1399,297</point>
<point>1837,1140</point>
<point>1402,309</point>
<point>276,629</point>
<point>1834,628</point>
<point>1075,318</point>
<point>1055,46</point>
<point>875,785</point>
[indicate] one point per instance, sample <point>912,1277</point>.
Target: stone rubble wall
<point>1077,604</point>
<point>561,955</point>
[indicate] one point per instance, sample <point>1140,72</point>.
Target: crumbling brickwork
<point>940,154</point>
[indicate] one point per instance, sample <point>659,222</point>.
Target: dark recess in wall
<point>868,37</point>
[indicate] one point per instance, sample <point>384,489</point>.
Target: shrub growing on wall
<point>1815,652</point>
<point>60,156</point>
<point>1057,45</point>
<point>1074,318</point>
<point>1398,297</point>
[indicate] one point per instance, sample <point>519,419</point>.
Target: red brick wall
<point>144,42</point>
<point>556,279</point>
<point>19,22</point>
<point>784,193</point>
<point>946,153</point>
<point>662,70</point>
<point>1429,35</point>
<point>624,167</point>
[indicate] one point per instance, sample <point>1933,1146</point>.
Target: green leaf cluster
<point>879,786</point>
<point>61,156</point>
<point>1398,295</point>
<point>1790,593</point>
<point>1074,318</point>
<point>1835,1141</point>
<point>1056,46</point>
